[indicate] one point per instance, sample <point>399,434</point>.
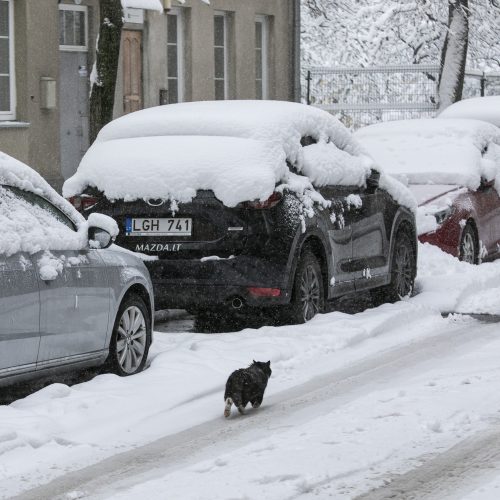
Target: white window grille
<point>221,56</point>
<point>7,72</point>
<point>262,57</point>
<point>175,55</point>
<point>73,32</point>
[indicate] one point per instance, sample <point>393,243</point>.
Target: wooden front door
<point>132,70</point>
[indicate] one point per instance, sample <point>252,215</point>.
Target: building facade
<point>228,49</point>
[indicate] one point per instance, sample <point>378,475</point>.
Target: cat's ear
<point>254,362</point>
<point>269,364</point>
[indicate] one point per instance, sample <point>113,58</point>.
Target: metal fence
<point>362,96</point>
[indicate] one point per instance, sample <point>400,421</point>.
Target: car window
<point>48,210</point>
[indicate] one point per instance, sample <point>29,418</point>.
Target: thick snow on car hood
<point>20,221</point>
<point>238,149</point>
<point>477,108</point>
<point>436,151</point>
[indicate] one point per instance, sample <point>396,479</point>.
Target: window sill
<point>13,124</point>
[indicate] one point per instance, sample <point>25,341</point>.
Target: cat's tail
<point>227,408</point>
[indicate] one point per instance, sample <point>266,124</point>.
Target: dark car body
<point>273,204</point>
<point>248,255</point>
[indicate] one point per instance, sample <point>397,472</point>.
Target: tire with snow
<point>131,338</point>
<point>308,296</point>
<point>469,249</point>
<point>403,272</point>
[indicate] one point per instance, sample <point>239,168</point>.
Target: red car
<point>453,168</point>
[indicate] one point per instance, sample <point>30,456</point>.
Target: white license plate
<point>158,227</point>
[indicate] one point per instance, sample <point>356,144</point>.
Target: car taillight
<point>83,202</point>
<point>257,291</point>
<point>271,202</point>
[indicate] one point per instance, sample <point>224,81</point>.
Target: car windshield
<point>426,192</point>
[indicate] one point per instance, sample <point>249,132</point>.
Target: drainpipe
<point>295,52</point>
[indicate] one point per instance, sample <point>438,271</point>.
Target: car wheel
<point>129,346</point>
<point>308,297</point>
<point>468,246</point>
<point>403,272</point>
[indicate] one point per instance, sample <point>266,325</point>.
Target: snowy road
<point>177,466</point>
<point>382,403</point>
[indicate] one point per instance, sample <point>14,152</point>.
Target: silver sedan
<point>66,299</point>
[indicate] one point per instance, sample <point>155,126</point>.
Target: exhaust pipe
<point>237,303</point>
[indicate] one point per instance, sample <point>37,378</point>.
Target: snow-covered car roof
<point>430,151</point>
<point>238,149</point>
<point>478,108</point>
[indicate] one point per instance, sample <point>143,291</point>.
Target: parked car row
<point>225,207</point>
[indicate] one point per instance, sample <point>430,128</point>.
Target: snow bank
<point>430,151</point>
<point>25,226</point>
<point>238,149</point>
<point>478,108</point>
<point>448,285</point>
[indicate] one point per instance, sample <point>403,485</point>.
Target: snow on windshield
<point>432,151</point>
<point>477,108</point>
<point>26,226</point>
<point>238,149</point>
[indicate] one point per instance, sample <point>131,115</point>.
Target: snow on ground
<point>61,428</point>
<point>342,451</point>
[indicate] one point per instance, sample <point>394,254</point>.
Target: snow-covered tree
<point>371,32</point>
<point>454,54</point>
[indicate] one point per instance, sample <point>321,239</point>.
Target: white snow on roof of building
<point>238,149</point>
<point>143,4</point>
<point>430,151</point>
<point>477,108</point>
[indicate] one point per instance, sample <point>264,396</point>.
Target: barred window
<point>72,27</point>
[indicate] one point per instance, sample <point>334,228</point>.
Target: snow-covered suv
<point>250,204</point>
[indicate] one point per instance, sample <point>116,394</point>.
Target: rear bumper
<point>181,283</point>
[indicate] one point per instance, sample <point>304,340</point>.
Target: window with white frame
<point>175,55</point>
<point>7,79</point>
<point>73,27</point>
<point>262,57</point>
<point>221,56</point>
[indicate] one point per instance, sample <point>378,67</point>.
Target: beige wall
<point>199,62</point>
<point>34,138</point>
<point>36,43</point>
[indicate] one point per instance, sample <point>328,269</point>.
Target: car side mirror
<point>102,230</point>
<point>486,184</point>
<point>372,182</point>
<point>99,238</point>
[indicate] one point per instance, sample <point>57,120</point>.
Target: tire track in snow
<point>447,476</point>
<point>290,407</point>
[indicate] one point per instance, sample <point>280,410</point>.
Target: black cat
<point>247,385</point>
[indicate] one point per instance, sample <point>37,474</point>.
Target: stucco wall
<point>199,51</point>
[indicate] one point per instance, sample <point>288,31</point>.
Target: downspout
<point>295,52</point>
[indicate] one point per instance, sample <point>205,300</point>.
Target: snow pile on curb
<point>449,285</point>
<point>238,149</point>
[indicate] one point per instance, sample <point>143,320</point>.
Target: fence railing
<point>362,96</point>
